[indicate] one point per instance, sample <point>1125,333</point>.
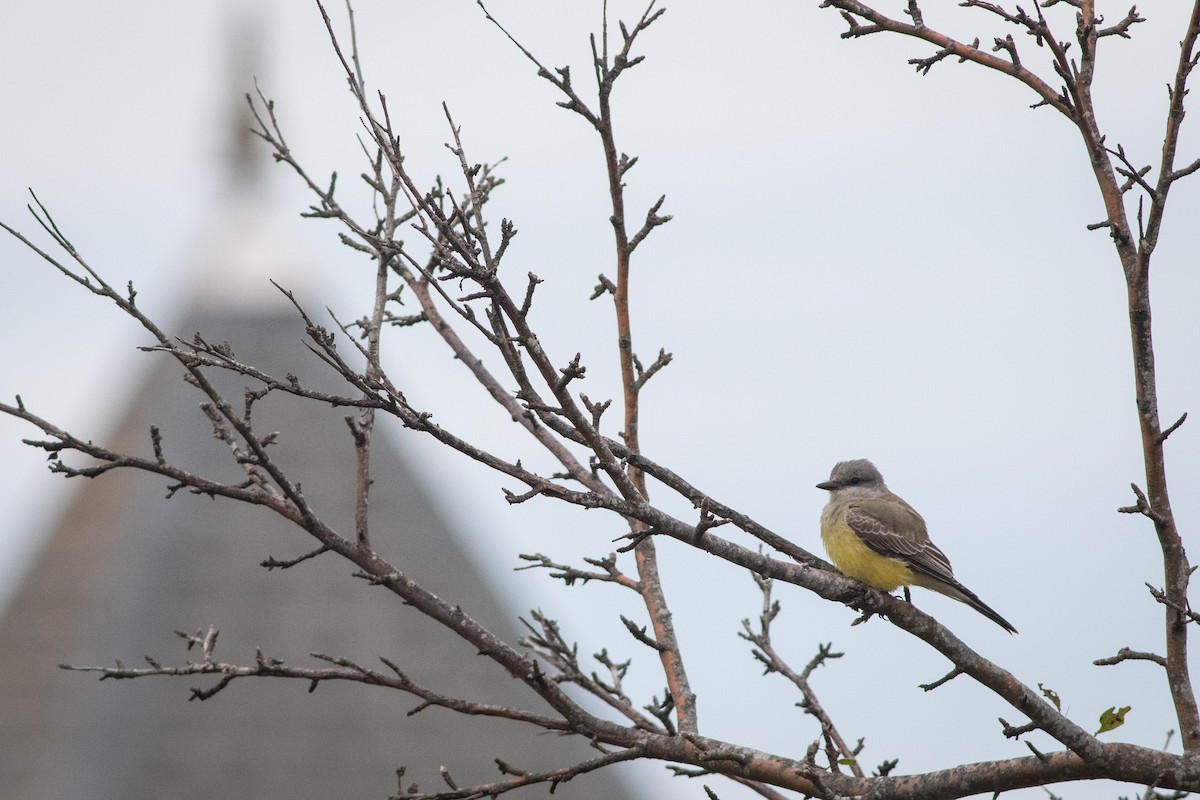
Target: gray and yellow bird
<point>873,536</point>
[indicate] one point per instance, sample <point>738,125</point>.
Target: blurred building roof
<point>125,567</point>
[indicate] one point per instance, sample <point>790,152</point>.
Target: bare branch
<point>653,220</point>
<point>852,11</point>
<point>547,641</point>
<point>1131,18</point>
<point>521,779</point>
<point>1125,654</point>
<point>949,676</point>
<point>1162,437</point>
<point>773,662</point>
<point>1142,506</point>
<point>1132,174</point>
<point>273,563</point>
<point>1182,609</point>
<point>570,575</point>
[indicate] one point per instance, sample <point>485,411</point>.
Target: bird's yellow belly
<point>858,561</point>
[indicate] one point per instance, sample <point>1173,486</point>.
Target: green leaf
<point>847,762</point>
<point>1052,696</point>
<point>1113,718</point>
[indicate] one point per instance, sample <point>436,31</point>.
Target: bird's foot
<point>866,600</point>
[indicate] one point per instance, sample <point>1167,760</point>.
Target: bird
<point>872,535</point>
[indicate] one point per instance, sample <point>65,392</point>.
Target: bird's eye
<point>855,481</point>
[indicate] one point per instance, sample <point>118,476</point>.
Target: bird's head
<point>855,478</point>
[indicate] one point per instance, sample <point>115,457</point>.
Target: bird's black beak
<point>829,486</point>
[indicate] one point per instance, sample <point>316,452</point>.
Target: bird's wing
<point>891,527</point>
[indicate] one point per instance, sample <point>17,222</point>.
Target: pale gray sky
<point>863,263</point>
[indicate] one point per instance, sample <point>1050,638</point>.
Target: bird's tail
<point>964,595</point>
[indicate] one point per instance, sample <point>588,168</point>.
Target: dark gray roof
<point>125,567</point>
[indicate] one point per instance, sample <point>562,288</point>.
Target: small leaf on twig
<point>1052,696</point>
<point>1112,718</point>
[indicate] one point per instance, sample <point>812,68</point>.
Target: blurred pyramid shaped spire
<point>244,158</point>
<point>247,243</point>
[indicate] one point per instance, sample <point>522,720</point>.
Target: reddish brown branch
<point>852,11</point>
<point>1177,571</point>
